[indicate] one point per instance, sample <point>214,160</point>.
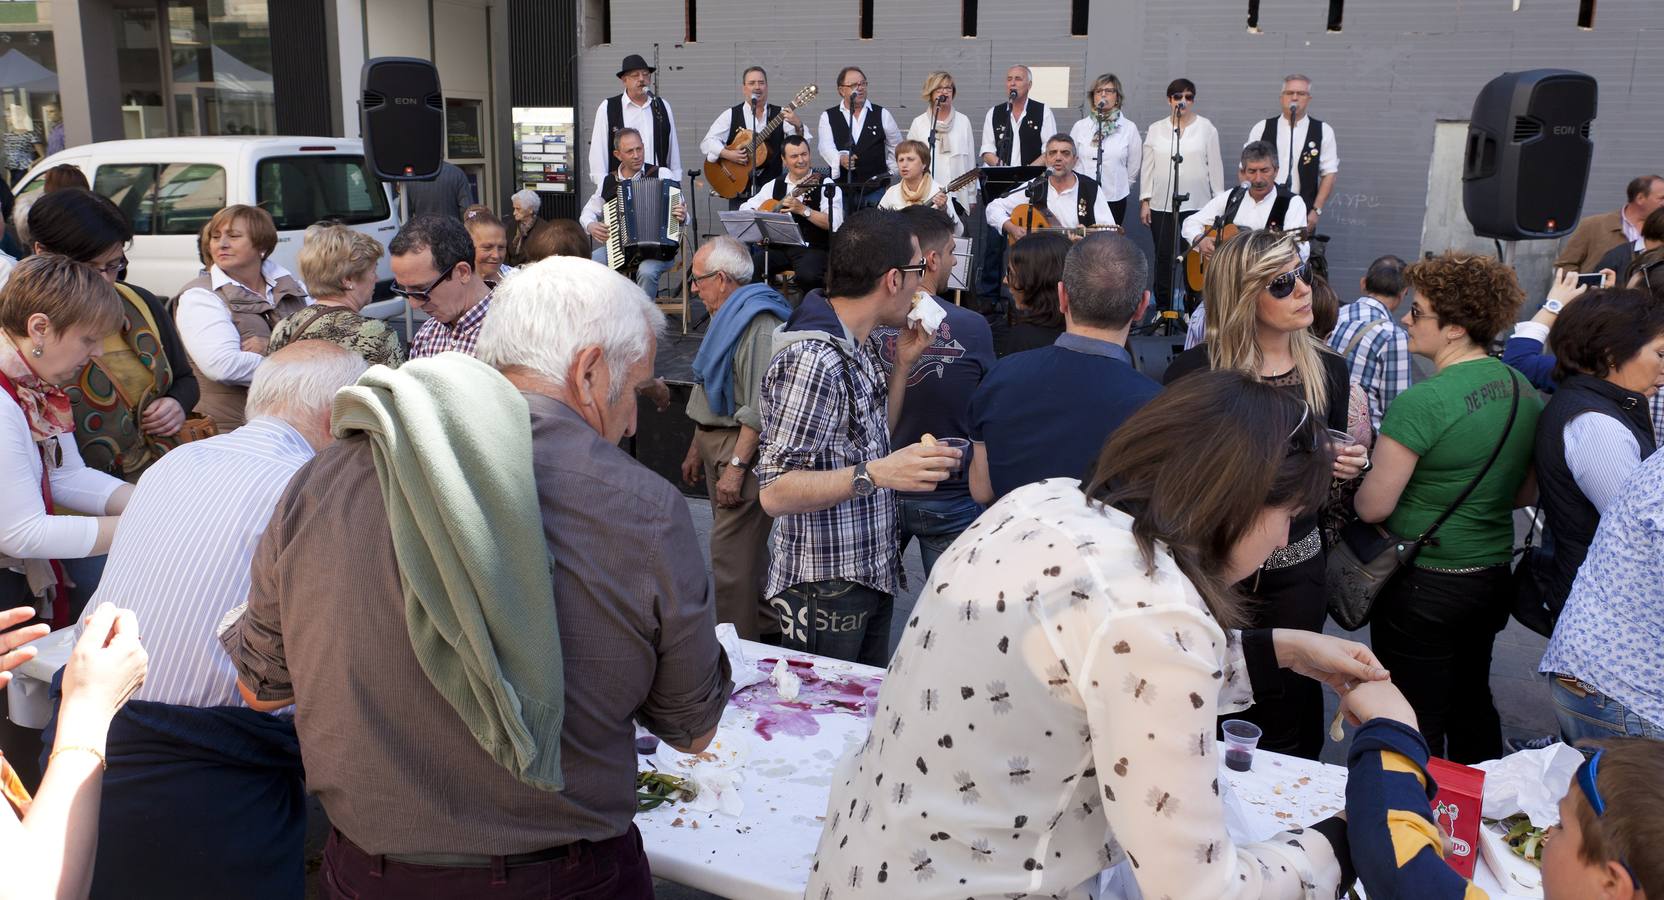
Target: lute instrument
<point>728,178</point>
<point>1195,264</point>
<point>796,193</point>
<point>1039,220</point>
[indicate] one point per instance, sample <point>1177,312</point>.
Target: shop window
<point>300,190</point>
<point>1078,15</point>
<point>866,20</point>
<point>597,22</point>
<point>967,18</point>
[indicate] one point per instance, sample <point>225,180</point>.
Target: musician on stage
<point>916,186</point>
<point>1304,147</point>
<point>628,150</point>
<point>753,112</point>
<point>858,140</point>
<point>1014,133</point>
<point>638,108</point>
<point>817,210</point>
<point>1201,176</point>
<point>948,133</point>
<point>1110,149</point>
<point>1259,201</point>
<point>1072,199</point>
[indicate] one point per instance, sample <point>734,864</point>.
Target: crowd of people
<point>219,470</point>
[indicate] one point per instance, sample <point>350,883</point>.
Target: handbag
<point>197,426</point>
<point>1367,556</point>
<point>1534,607</point>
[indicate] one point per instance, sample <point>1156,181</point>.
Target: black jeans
<point>1434,632</point>
<point>1290,711</point>
<point>1162,230</point>
<point>836,618</point>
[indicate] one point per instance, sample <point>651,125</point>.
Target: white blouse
<point>1201,174</point>
<point>1123,155</point>
<point>209,333</point>
<point>1049,713</point>
<point>955,151</point>
<point>892,199</point>
<point>27,529</point>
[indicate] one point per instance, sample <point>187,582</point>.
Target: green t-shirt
<point>1452,421</point>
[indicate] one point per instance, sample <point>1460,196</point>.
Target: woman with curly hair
<point>1434,624</point>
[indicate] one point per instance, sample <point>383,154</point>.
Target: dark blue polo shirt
<point>1046,413</point>
<point>939,388</point>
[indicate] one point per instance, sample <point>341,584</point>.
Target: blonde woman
<point>955,143</point>
<point>916,185</point>
<point>1259,299</point>
<point>1110,151</point>
<point>340,265</point>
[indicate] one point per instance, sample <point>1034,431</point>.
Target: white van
<point>170,187</point>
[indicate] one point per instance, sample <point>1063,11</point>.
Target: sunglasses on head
<point>1302,439</point>
<point>1587,779</point>
<point>1283,284</point>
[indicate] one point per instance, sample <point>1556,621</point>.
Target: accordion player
<point>641,222</point>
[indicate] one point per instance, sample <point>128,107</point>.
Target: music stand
<point>750,226</point>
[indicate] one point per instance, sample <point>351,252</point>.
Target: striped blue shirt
<point>181,555</point>
<point>1379,358</point>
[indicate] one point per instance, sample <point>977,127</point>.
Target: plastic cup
<point>1343,439</point>
<point>1241,738</point>
<point>870,701</point>
<point>963,445</point>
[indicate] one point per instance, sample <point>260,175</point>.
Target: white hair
<point>1027,72</point>
<point>20,220</point>
<point>729,256</point>
<point>554,308</point>
<point>1297,77</point>
<point>528,198</point>
<point>301,379</point>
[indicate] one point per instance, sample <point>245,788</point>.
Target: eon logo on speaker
<point>404,101</point>
<point>1565,130</point>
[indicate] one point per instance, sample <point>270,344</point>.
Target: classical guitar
<point>1195,264</point>
<point>1039,220</point>
<point>796,193</point>
<point>729,178</point>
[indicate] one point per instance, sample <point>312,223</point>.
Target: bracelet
<point>101,760</point>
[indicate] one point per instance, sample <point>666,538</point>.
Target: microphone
<point>1013,96</point>
<point>941,99</point>
<point>1181,106</point>
<point>756,95</point>
<point>1293,109</point>
<point>1102,104</point>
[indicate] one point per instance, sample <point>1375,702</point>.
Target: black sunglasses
<point>1185,97</point>
<point>1283,284</point>
<point>421,296</point>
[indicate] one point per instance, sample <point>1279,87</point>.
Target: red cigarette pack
<point>1456,809</point>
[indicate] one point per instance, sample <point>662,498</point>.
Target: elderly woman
<point>1033,269</point>
<point>55,314</point>
<point>1260,315</point>
<point>948,131</point>
<point>227,313</point>
<point>527,226</point>
<point>490,244</point>
<point>340,266</point>
<point>1110,150</point>
<point>130,400</point>
<point>1595,431</point>
<point>1435,622</point>
<point>1051,709</point>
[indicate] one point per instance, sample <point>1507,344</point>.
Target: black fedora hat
<point>632,63</point>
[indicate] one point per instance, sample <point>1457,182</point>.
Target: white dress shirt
<point>639,117</point>
<point>766,192</point>
<point>1201,175</point>
<point>955,151</point>
<point>1250,214</point>
<point>829,144</point>
<point>716,137</point>
<point>1048,129</point>
<point>1061,203</point>
<point>28,530</point>
<point>892,199</point>
<point>181,555</point>
<point>1290,146</point>
<point>209,334</point>
<point>1123,155</point>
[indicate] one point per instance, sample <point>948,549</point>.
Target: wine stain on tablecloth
<point>817,697</point>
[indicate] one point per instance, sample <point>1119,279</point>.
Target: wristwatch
<point>863,484</point>
<point>738,463</point>
<point>1552,305</point>
<point>1318,210</point>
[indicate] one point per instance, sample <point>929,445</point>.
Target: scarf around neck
<point>45,406</point>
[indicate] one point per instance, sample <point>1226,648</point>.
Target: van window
<point>164,198</point>
<point>132,189</point>
<point>301,190</point>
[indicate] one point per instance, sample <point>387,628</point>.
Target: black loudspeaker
<point>1528,154</point>
<point>401,115</point>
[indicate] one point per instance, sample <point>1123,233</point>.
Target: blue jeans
<point>836,618</point>
<point>1585,713</point>
<point>936,522</point>
<point>648,272</point>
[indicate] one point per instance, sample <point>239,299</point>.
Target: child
<point>1606,847</point>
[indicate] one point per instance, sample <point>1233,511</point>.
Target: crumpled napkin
<point>741,669</point>
<point>1530,781</point>
<point>786,682</point>
<point>926,312</point>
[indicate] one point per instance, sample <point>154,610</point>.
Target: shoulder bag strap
<point>1359,335</point>
<point>1513,411</point>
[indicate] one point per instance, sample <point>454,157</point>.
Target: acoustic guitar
<point>1039,220</point>
<point>796,193</point>
<point>1195,265</point>
<point>729,178</point>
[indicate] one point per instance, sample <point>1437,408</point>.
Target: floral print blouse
<point>1050,712</point>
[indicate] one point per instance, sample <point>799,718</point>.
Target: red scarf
<point>47,410</point>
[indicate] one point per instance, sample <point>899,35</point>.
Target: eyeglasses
<point>1416,313</point>
<point>1283,284</point>
<point>113,268</point>
<point>854,84</point>
<point>918,267</point>
<point>695,279</point>
<point>1185,97</point>
<point>422,295</point>
<point>1587,779</point>
<point>1302,439</point>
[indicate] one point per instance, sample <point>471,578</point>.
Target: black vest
<point>1086,197</point>
<point>1305,159</point>
<point>609,184</point>
<point>1029,139</point>
<point>818,237</point>
<point>871,156</point>
<point>659,153</point>
<point>1569,519</point>
<point>776,142</point>
<point>1273,222</point>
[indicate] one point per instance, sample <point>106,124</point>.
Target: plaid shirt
<point>435,337</point>
<point>810,422</point>
<point>1380,363</point>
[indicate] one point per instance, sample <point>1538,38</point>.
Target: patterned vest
<point>254,317</point>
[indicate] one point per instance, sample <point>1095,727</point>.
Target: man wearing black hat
<point>639,108</point>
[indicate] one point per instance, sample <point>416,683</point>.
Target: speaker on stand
<point>1526,165</point>
<point>401,118</point>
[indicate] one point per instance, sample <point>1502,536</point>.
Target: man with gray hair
<point>1303,147</point>
<point>1046,413</point>
<point>726,408</point>
<point>603,598</point>
<point>204,796</point>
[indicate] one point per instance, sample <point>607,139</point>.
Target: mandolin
<point>796,193</point>
<point>1195,264</point>
<point>1039,220</point>
<point>729,178</point>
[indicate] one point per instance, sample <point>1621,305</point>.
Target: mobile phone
<point>1590,279</point>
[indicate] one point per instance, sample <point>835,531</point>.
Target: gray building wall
<point>1395,70</point>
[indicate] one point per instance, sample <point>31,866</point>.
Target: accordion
<point>640,222</point>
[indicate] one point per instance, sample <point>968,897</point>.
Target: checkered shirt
<point>435,337</point>
<point>1380,363</point>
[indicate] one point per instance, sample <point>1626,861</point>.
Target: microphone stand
<point>1170,317</point>
<point>1288,175</point>
<point>751,159</point>
<point>935,110</point>
<point>1100,172</point>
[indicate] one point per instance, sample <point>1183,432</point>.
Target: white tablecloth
<point>789,748</point>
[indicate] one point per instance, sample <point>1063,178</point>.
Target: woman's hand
<point>1338,663</point>
<point>164,416</point>
<point>107,665</point>
<point>1565,287</point>
<point>1350,461</point>
<point>1144,212</point>
<point>12,651</point>
<point>1377,700</point>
